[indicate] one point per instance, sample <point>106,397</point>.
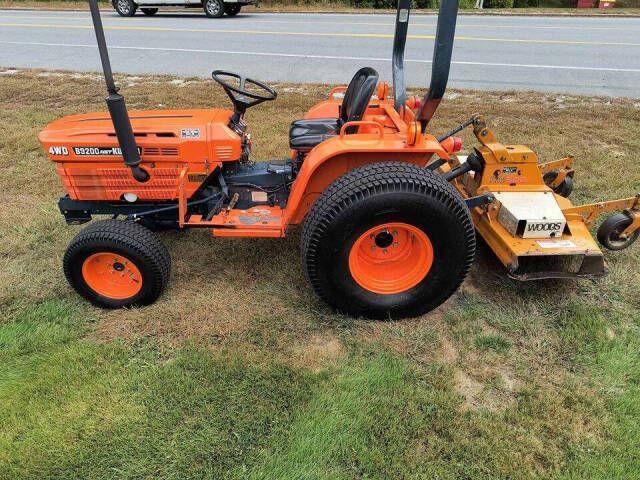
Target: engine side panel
<point>173,145</point>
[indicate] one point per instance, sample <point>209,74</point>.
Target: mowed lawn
<point>240,372</point>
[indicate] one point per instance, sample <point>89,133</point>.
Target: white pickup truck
<point>212,8</point>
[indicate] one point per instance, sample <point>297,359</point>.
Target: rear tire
<point>610,230</point>
<point>213,8</point>
<point>115,263</point>
<point>232,10</point>
<point>385,209</point>
<point>149,11</point>
<point>125,8</point>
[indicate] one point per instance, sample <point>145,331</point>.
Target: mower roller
<point>389,212</point>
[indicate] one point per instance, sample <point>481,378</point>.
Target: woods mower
<point>389,212</point>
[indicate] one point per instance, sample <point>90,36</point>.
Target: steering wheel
<point>240,97</point>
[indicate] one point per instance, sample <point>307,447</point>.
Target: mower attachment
<point>532,227</point>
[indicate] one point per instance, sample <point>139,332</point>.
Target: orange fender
<point>336,156</point>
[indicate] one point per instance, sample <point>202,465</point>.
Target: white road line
<point>324,57</point>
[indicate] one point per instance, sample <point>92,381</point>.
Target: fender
<point>336,156</point>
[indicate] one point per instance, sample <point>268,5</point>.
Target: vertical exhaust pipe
<point>445,33</point>
<point>116,105</point>
<point>397,59</point>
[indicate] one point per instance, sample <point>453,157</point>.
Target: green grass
<point>240,372</point>
<point>495,342</point>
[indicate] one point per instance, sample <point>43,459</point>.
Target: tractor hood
<point>180,133</point>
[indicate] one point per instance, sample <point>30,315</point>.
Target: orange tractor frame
<point>389,210</point>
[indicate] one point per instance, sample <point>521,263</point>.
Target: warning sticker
<point>190,133</point>
<point>556,243</point>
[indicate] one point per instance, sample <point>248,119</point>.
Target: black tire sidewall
<point>616,223</point>
<point>564,189</point>
<point>447,237</point>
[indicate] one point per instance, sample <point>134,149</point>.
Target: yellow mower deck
<point>562,248</point>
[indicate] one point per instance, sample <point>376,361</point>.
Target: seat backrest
<point>358,95</point>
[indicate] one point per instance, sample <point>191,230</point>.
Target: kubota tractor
<point>389,212</point>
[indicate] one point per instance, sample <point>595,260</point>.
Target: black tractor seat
<point>305,134</point>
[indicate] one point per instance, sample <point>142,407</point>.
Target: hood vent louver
<point>164,151</point>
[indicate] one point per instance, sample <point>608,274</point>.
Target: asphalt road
<point>560,54</point>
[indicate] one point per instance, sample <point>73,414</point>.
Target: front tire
<point>149,11</point>
<point>115,263</point>
<point>388,240</point>
<point>213,8</point>
<point>125,8</point>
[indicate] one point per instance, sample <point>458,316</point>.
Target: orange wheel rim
<point>112,275</point>
<point>391,258</point>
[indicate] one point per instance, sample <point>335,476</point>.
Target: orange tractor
<point>389,211</point>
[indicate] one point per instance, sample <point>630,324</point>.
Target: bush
<point>558,3</point>
<point>498,4</point>
<point>526,3</point>
<point>374,3</point>
<point>392,4</point>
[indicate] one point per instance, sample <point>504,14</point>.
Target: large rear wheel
<point>388,240</point>
<point>114,263</point>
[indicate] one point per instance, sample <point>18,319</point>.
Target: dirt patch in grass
<point>468,387</point>
<point>316,351</point>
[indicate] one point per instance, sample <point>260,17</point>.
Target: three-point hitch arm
<point>442,49</point>
<point>116,105</point>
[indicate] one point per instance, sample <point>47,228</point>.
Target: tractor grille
<point>162,184</point>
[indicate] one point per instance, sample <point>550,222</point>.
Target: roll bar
<point>397,59</point>
<point>442,49</point>
<point>116,105</point>
<point>443,46</point>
